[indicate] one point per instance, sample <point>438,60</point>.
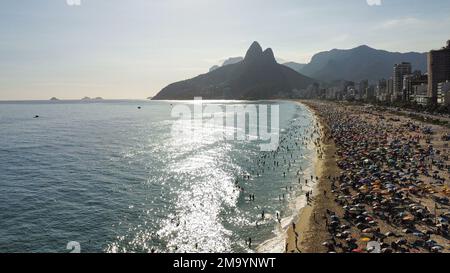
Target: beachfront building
<point>420,94</point>
<point>334,93</point>
<point>400,70</point>
<point>338,90</point>
<point>390,88</point>
<point>366,91</point>
<point>363,85</point>
<point>370,93</point>
<point>443,93</point>
<point>351,93</point>
<point>438,70</point>
<point>411,81</point>
<point>381,91</point>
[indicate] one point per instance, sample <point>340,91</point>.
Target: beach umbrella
<point>436,249</point>
<point>407,231</point>
<point>334,223</point>
<point>386,250</point>
<point>344,227</point>
<point>367,230</point>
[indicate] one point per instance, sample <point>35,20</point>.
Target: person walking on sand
<point>279,217</point>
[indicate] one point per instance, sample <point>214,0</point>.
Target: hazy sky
<point>133,48</point>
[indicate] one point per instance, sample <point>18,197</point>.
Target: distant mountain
<point>232,60</point>
<point>258,76</point>
<point>359,63</point>
<point>214,68</point>
<point>295,66</point>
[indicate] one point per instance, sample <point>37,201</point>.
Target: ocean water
<point>113,178</point>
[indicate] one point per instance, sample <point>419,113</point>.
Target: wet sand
<point>312,229</point>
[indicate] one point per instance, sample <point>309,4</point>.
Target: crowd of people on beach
<point>392,192</point>
<point>287,161</point>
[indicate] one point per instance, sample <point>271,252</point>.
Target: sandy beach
<point>383,179</point>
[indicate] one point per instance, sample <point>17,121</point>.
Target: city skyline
<point>114,49</point>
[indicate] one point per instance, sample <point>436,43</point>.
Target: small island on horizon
<point>91,99</point>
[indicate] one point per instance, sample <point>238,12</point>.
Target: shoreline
<point>277,244</point>
<point>309,230</point>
